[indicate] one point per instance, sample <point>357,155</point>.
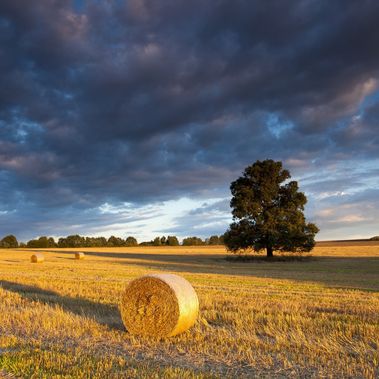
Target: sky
<point>133,117</point>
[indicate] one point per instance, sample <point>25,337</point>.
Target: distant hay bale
<point>160,305</point>
<point>79,255</point>
<point>37,258</point>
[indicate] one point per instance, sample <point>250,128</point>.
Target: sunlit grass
<point>313,318</point>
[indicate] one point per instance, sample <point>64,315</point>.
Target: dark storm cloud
<point>141,101</point>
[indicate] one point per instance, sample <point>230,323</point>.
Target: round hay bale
<point>160,305</point>
<point>79,255</point>
<point>37,258</point>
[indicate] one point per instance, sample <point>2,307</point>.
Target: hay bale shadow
<point>104,314</point>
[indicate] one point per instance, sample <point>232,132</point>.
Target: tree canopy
<point>193,241</point>
<point>215,240</point>
<point>267,212</point>
<point>9,241</point>
<point>42,242</point>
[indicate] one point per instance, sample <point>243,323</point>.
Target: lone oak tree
<point>268,212</point>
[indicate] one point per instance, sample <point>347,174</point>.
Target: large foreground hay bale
<point>160,305</point>
<point>37,258</point>
<point>79,255</point>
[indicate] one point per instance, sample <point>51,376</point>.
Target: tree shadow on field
<point>263,258</point>
<point>102,313</point>
<point>354,273</point>
<point>200,262</point>
<point>348,272</point>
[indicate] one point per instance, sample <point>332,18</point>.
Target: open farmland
<point>318,317</point>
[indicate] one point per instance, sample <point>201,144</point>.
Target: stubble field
<point>311,318</point>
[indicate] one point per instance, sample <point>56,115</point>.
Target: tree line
<point>189,241</point>
<point>10,241</point>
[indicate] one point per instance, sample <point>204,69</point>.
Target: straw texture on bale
<point>79,255</point>
<point>160,305</point>
<point>37,258</point>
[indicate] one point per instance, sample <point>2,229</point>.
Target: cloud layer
<point>145,102</point>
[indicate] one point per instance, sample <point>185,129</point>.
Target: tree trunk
<point>269,252</point>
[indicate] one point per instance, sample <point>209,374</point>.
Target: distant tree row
<point>42,242</point>
<point>69,241</point>
<point>162,241</point>
<point>196,241</point>
<point>76,240</point>
<point>79,241</point>
<point>189,241</point>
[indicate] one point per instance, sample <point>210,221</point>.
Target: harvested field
<point>316,317</point>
